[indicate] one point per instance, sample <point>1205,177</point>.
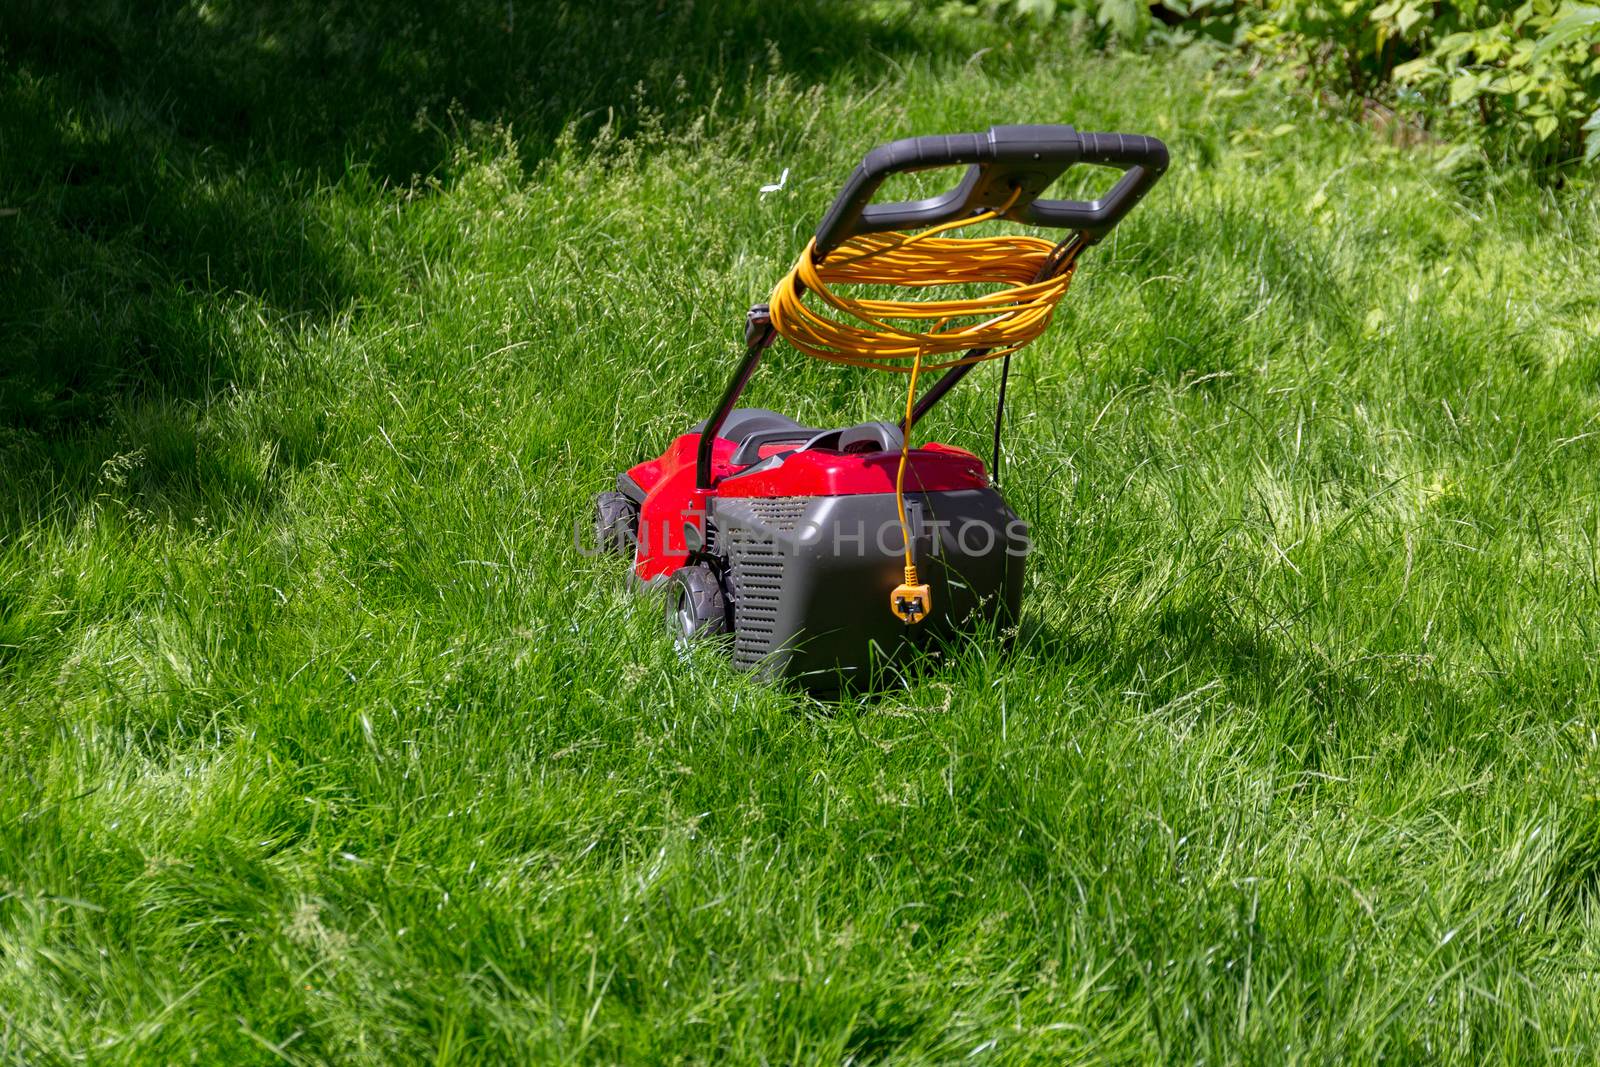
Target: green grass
<point>321,743</point>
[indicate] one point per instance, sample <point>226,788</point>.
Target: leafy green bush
<point>1120,21</point>
<point>1524,77</point>
<point>1521,77</point>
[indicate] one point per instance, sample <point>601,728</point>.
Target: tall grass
<point>321,743</point>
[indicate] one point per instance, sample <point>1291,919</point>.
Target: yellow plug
<point>912,601</point>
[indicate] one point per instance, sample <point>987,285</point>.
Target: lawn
<point>321,742</point>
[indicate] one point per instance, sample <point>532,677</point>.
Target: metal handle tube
<point>758,336</point>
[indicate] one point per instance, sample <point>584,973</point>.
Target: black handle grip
<point>1025,159</point>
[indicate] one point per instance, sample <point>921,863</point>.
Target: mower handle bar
<point>1003,160</point>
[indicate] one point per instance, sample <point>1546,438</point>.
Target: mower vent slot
<point>757,569</point>
<point>781,513</point>
<point>757,566</point>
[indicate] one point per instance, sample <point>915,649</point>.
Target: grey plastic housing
<point>1003,159</point>
<point>809,578</point>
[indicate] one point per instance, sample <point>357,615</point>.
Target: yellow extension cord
<point>1010,316</point>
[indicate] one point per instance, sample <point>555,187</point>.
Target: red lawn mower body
<point>670,505</point>
<point>801,540</point>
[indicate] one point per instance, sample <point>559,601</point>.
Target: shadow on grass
<point>1202,649</point>
<point>169,171</point>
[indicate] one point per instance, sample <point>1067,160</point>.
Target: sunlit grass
<point>321,742</point>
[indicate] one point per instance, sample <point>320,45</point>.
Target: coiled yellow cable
<point>1009,317</point>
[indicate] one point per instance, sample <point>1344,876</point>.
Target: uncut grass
<point>324,743</point>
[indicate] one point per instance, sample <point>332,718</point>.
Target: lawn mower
<point>826,553</point>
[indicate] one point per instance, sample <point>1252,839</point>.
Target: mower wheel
<point>616,523</point>
<point>696,606</point>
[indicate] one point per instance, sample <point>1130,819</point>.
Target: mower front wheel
<point>696,605</point>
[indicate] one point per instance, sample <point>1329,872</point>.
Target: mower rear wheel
<point>616,522</point>
<point>696,605</point>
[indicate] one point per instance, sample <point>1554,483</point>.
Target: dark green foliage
<point>1517,78</point>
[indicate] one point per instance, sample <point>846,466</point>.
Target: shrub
<point>1520,77</point>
